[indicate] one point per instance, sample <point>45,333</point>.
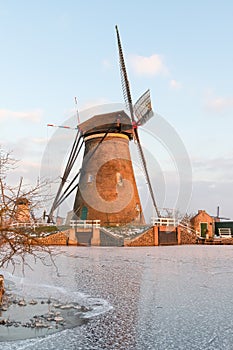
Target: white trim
<point>95,136</point>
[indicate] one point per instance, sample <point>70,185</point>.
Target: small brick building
<point>203,224</point>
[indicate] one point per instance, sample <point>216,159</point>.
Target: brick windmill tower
<point>22,210</point>
<point>106,188</point>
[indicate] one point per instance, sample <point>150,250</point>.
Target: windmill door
<point>204,229</point>
<point>84,213</point>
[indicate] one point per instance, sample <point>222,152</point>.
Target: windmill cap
<point>117,121</point>
<point>22,201</point>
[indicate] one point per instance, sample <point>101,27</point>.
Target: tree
<point>18,238</point>
<point>183,218</point>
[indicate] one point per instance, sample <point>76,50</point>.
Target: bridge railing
<point>85,223</point>
<point>163,221</point>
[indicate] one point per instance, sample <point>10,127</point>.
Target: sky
<point>52,51</point>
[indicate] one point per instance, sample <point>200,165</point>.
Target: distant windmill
<point>218,218</point>
<point>106,186</point>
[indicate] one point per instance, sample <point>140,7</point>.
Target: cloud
<point>39,140</point>
<point>107,64</point>
<point>151,65</point>
<point>34,116</point>
<point>213,184</point>
<point>27,152</point>
<point>175,85</point>
<point>28,169</point>
<point>218,104</point>
<point>208,194</point>
<point>92,103</point>
<point>25,148</point>
<point>218,169</point>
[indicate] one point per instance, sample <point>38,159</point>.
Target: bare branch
<point>18,208</point>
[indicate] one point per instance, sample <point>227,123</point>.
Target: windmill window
<point>90,178</point>
<point>119,179</point>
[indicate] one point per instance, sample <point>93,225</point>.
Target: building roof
<point>201,212</point>
<point>224,224</point>
<point>117,121</point>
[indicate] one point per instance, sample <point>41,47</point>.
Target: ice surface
<point>161,298</point>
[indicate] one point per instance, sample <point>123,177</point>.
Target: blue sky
<point>52,51</point>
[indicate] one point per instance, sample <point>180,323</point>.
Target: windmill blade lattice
<point>124,78</point>
<point>144,113</point>
<point>143,108</point>
<point>62,193</point>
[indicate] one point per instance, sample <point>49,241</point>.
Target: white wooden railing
<point>31,224</point>
<point>224,232</point>
<point>85,223</point>
<point>163,221</point>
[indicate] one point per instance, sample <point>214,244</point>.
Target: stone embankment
<point>187,236</point>
<point>59,238</point>
<point>66,237</point>
<point>145,239</point>
<point>217,241</point>
<point>227,241</point>
<point>151,237</point>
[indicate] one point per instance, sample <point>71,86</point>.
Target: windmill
<point>217,218</point>
<point>106,186</point>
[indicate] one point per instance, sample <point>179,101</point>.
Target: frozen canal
<point>178,297</point>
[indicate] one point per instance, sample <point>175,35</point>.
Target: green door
<point>204,228</point>
<point>84,213</point>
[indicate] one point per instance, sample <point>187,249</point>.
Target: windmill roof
<point>22,201</point>
<point>201,212</point>
<point>117,121</point>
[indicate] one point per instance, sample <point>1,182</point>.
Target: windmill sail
<point>144,113</point>
<point>143,108</point>
<point>62,195</point>
<point>124,78</point>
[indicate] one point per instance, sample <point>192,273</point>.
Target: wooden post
<point>178,232</point>
<point>2,290</point>
<point>95,237</point>
<point>156,235</point>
